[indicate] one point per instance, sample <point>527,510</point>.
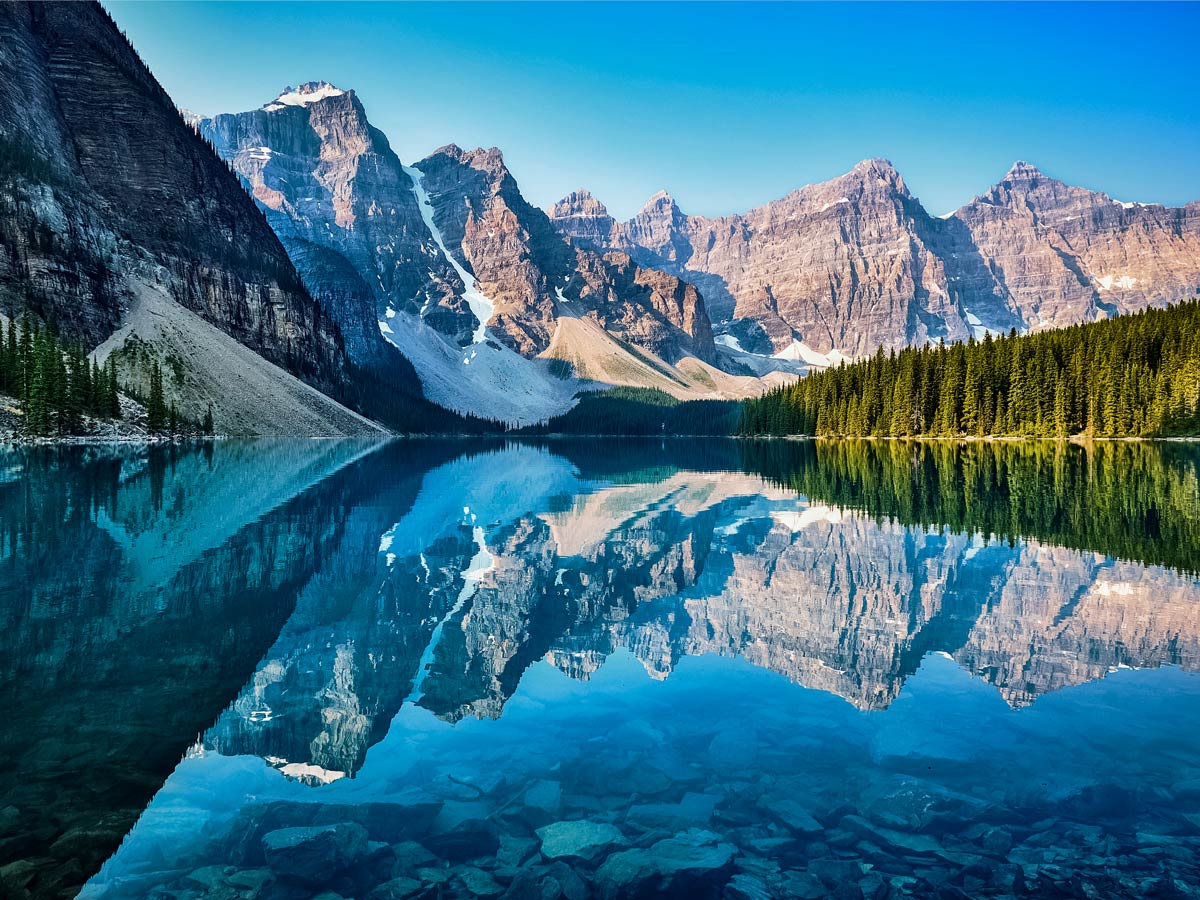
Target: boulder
<point>689,861</point>
<point>309,855</point>
<point>579,838</point>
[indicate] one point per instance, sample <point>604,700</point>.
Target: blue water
<point>646,670</point>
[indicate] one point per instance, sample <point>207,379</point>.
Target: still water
<point>697,669</point>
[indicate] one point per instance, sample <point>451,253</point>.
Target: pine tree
<point>156,411</point>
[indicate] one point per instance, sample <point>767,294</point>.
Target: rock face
<point>529,271</point>
<point>856,263</point>
<point>1061,255</point>
<point>106,194</point>
<point>342,204</point>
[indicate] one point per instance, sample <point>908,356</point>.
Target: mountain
<point>848,265</point>
<point>1061,255</point>
<point>497,312</point>
<point>122,229</point>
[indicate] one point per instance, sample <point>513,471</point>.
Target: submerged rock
<point>310,855</point>
<point>688,860</point>
<point>579,838</point>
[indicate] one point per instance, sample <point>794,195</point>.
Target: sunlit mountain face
<point>779,669</point>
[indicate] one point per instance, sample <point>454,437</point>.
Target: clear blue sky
<point>726,106</point>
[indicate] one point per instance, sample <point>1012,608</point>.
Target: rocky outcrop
<point>342,204</point>
<point>105,191</point>
<point>856,263</point>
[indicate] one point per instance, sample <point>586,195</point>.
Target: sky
<point>726,106</point>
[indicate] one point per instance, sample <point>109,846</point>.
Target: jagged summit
<point>1022,171</point>
<point>305,94</point>
<point>581,203</point>
<point>875,164</point>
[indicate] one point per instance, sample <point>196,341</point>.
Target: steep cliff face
<point>107,194</point>
<point>342,204</point>
<point>856,263</point>
<point>528,270</point>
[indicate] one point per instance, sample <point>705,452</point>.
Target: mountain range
<point>856,263</point>
<point>351,293</point>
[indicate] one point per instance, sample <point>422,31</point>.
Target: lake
<point>705,668</point>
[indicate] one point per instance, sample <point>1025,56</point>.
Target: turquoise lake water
<point>285,670</point>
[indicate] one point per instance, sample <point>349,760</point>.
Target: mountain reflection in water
<point>374,638</point>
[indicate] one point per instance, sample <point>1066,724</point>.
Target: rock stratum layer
<point>107,198</point>
<point>856,263</point>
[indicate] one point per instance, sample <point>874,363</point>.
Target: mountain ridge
<point>856,262</point>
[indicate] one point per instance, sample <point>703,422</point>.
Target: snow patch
<point>838,202</point>
<point>728,340</point>
<point>1120,282</point>
<point>303,95</point>
<point>498,383</point>
<point>801,351</point>
<point>481,307</point>
<point>305,771</point>
<point>797,520</point>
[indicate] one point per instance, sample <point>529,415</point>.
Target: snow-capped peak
<point>309,92</point>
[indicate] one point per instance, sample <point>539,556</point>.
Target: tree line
<point>1135,375</point>
<point>55,381</point>
<point>60,387</point>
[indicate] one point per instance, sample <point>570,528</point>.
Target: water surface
<point>719,669</point>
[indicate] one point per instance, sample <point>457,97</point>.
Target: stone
<point>309,855</point>
<point>543,799</point>
<point>996,840</point>
<point>515,849</point>
<point>533,884</point>
<point>746,887</point>
<point>579,838</point>
<point>401,888</point>
<point>803,886</point>
<point>204,879</point>
<point>570,884</point>
<point>689,858</point>
<point>734,749</point>
<point>900,840</point>
<point>836,871</point>
<point>410,856</point>
<point>477,882</point>
<point>791,814</point>
<point>694,810</point>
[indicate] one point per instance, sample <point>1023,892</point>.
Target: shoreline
<point>13,441</point>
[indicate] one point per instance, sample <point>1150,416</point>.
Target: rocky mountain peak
<point>876,172</point>
<point>1023,171</point>
<point>660,205</point>
<point>580,203</point>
